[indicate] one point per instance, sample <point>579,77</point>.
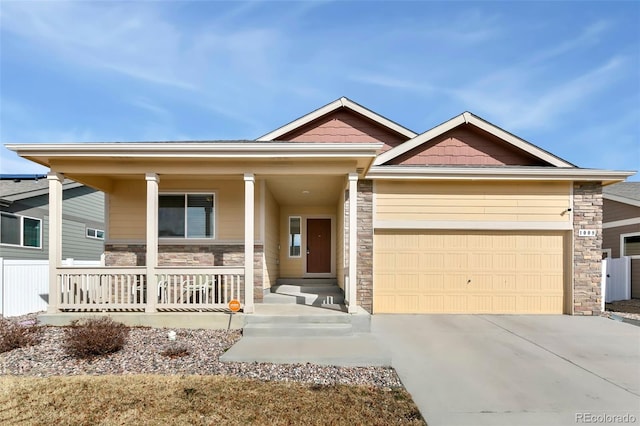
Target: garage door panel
<point>468,272</point>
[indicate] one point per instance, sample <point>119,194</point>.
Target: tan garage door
<point>468,272</point>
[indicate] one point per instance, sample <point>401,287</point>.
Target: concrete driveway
<point>516,370</point>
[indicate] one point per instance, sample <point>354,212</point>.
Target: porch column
<point>55,238</point>
<point>353,242</point>
<point>152,240</point>
<point>249,182</point>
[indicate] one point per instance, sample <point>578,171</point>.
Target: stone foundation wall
<point>125,255</point>
<point>365,245</point>
<point>587,257</point>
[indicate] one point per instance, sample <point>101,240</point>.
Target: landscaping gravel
<point>142,354</point>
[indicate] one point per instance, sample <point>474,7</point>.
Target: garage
<point>498,272</point>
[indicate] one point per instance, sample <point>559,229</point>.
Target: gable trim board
<point>331,107</point>
<point>468,118</point>
<point>618,223</point>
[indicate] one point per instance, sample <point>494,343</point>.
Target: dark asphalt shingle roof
<point>629,190</point>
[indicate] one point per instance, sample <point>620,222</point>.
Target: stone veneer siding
<point>587,258</point>
<point>180,255</point>
<point>365,245</point>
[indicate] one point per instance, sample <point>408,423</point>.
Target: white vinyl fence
<point>24,284</point>
<point>616,279</point>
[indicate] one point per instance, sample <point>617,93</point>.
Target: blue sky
<point>562,75</point>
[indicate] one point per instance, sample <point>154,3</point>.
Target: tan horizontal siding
<point>474,201</point>
<point>127,210</point>
<point>127,207</point>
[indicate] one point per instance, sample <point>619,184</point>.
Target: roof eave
<point>241,150</point>
<point>494,173</point>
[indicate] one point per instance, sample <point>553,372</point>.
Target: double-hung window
<point>23,231</point>
<point>186,215</point>
<point>630,244</point>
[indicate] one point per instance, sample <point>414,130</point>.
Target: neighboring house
<point>621,227</point>
<point>24,219</point>
<point>463,218</point>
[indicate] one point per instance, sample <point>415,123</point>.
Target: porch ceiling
<point>306,190</point>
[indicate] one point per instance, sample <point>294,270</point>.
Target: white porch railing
<point>125,289</point>
<point>193,288</point>
<point>101,288</point>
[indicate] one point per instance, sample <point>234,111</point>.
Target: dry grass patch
<point>205,400</point>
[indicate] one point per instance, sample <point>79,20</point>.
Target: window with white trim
<point>630,244</point>
<point>95,233</point>
<point>295,236</point>
<point>22,231</point>
<point>189,215</point>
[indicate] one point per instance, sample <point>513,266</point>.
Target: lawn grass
<point>197,400</point>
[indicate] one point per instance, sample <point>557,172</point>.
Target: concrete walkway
<point>357,350</point>
<point>516,370</point>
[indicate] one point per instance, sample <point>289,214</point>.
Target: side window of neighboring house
<point>95,233</point>
<point>22,231</point>
<point>630,244</point>
<point>186,216</point>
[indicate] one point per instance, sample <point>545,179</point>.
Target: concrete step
<point>307,281</point>
<point>310,299</point>
<point>306,288</point>
<point>292,320</point>
<point>325,318</point>
<point>297,330</point>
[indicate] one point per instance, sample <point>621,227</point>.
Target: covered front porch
<point>241,201</point>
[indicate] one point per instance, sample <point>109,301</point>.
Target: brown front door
<point>318,245</point>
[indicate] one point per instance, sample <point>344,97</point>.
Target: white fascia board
<point>186,150</point>
<point>338,103</point>
<point>620,199</point>
<point>419,140</point>
<point>493,173</point>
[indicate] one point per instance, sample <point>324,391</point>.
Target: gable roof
<point>623,192</point>
<point>331,107</point>
<point>469,118</point>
